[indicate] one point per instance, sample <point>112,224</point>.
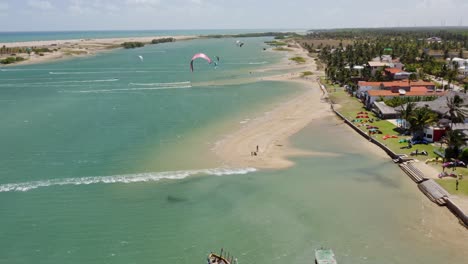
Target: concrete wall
<point>457,211</point>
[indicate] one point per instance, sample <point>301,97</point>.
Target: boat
<point>324,256</point>
<point>214,258</point>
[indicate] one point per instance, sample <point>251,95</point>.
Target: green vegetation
<point>358,46</point>
<point>341,50</point>
<point>75,52</point>
<point>12,50</point>
<point>132,45</point>
<point>41,50</point>
<point>307,73</point>
<point>298,59</point>
<point>282,49</point>
<point>11,60</point>
<point>162,40</point>
<point>350,106</point>
<point>276,43</point>
<point>398,101</point>
<point>277,35</point>
<point>449,185</point>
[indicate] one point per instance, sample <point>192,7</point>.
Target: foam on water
<point>62,82</point>
<point>160,84</point>
<point>247,63</point>
<point>104,72</point>
<point>258,63</point>
<point>130,89</point>
<point>125,178</point>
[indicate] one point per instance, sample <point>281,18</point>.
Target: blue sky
<point>43,15</point>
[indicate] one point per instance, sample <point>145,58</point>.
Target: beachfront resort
<point>409,100</point>
<point>128,138</point>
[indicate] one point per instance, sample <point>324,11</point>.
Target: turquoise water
<point>55,35</point>
<point>107,160</point>
<point>113,114</point>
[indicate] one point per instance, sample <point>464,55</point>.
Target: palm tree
<point>455,141</point>
<point>406,112</point>
<point>420,118</point>
<point>451,76</point>
<point>455,111</point>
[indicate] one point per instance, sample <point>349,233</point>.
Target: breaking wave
<point>257,63</point>
<point>130,89</point>
<point>59,82</point>
<point>160,84</point>
<point>113,72</point>
<point>125,178</point>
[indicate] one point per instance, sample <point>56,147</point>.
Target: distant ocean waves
<point>140,87</point>
<point>125,178</point>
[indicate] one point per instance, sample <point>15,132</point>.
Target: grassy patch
<point>276,43</point>
<point>11,60</point>
<point>307,73</point>
<point>298,59</point>
<point>282,49</point>
<point>133,44</point>
<point>449,185</point>
<point>75,52</point>
<point>350,106</point>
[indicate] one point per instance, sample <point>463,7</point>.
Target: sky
<point>52,15</point>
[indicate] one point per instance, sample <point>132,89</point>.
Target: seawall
<point>431,189</point>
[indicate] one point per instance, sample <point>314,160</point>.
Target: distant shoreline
<point>70,48</point>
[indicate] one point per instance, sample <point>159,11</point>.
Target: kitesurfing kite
<point>239,43</point>
<point>141,57</point>
<point>201,56</point>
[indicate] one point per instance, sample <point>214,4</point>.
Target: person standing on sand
<point>257,148</point>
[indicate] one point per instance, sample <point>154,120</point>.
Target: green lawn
<point>449,185</point>
<point>350,106</point>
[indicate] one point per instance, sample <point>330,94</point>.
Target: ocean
<point>108,159</point>
<point>61,35</point>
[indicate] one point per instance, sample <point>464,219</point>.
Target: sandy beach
<point>63,49</point>
<point>271,131</point>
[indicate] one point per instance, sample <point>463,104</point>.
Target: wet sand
<point>271,131</point>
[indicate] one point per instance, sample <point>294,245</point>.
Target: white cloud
<point>77,7</point>
<point>40,4</point>
<point>3,9</point>
<point>143,3</point>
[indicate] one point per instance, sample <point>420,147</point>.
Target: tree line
<point>411,47</point>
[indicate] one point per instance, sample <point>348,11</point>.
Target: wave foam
<point>130,89</point>
<point>125,178</point>
<point>160,84</point>
<point>104,72</point>
<point>61,82</point>
<point>257,63</point>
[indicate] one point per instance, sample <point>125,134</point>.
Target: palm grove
<point>420,56</point>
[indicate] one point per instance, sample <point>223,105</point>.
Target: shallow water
<point>61,35</point>
<point>117,176</point>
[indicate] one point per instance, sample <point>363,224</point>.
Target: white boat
<point>324,256</point>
